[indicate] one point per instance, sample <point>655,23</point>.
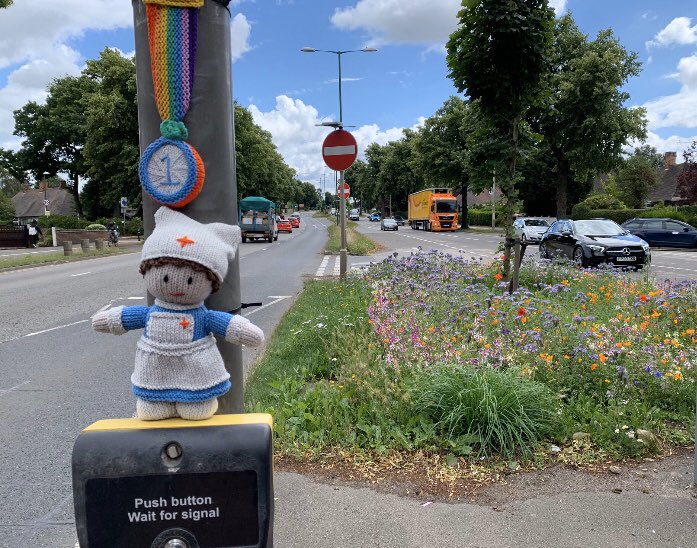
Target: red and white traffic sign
<point>339,150</point>
<point>347,191</point>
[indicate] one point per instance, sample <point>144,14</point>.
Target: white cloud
<point>678,31</point>
<point>240,29</point>
<point>679,109</point>
<point>292,124</point>
<point>674,143</point>
<point>31,29</point>
<point>28,83</point>
<point>558,5</point>
<point>407,21</point>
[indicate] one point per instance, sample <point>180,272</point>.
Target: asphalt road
<point>57,376</point>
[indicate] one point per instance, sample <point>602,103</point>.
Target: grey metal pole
<point>211,133</point>
<point>341,110</point>
<point>343,254</point>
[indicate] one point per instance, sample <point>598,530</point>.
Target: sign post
<point>339,151</point>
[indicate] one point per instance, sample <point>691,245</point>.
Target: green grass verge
<point>356,243</point>
<point>41,258</point>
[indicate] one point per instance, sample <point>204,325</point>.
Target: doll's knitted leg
<point>197,411</point>
<point>154,410</point>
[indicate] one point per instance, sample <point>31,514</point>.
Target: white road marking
<point>276,300</point>
<point>80,274</point>
<point>322,267</point>
<point>673,268</point>
<point>29,253</point>
<point>135,298</point>
<point>337,266</point>
<point>54,328</point>
<point>14,387</point>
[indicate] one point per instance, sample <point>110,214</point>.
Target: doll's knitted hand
<point>109,321</point>
<point>241,331</point>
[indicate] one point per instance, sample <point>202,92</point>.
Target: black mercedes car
<point>595,241</point>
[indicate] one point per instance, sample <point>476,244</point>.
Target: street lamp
<point>340,188</point>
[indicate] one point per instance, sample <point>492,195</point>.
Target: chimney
<point>43,185</point>
<point>669,159</point>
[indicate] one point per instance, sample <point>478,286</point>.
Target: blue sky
<point>289,92</point>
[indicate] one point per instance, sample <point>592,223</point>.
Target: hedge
<point>687,214</point>
<point>483,218</point>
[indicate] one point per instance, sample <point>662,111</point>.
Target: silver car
<point>389,224</point>
<point>530,229</point>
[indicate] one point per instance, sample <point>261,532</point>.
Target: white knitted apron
<point>168,359</point>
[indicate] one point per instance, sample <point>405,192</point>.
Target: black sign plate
<point>218,508</point>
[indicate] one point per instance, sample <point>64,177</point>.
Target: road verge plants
<point>430,353</point>
<point>356,243</point>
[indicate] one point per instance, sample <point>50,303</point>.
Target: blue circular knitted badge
<point>171,172</point>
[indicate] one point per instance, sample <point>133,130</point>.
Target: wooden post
<point>85,246</point>
<point>67,248</point>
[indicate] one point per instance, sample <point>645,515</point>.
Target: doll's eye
<point>190,281</point>
<point>166,278</point>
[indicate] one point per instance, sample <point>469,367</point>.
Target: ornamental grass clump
<point>487,411</point>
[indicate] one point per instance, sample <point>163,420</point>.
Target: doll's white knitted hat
<point>175,235</point>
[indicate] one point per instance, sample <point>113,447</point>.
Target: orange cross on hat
<point>184,241</point>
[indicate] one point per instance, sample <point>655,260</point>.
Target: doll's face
<point>178,284</point>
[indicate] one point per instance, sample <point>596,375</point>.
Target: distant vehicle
<point>389,224</point>
<point>333,211</point>
<point>433,209</point>
<point>258,219</point>
<point>530,229</point>
<point>284,225</point>
<point>294,221</point>
<point>354,216</point>
<point>375,217</point>
<point>663,232</point>
<point>592,242</point>
<point>400,220</point>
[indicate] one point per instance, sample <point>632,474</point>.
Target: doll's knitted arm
<point>234,328</point>
<point>120,319</point>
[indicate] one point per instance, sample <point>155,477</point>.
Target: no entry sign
<point>339,150</point>
<point>347,190</point>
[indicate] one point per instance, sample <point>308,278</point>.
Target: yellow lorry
<point>433,209</point>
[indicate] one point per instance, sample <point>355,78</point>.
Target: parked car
<point>332,211</point>
<point>389,224</point>
<point>530,229</point>
<point>663,232</point>
<point>594,241</point>
<point>375,217</point>
<point>354,215</point>
<point>284,225</point>
<point>400,220</point>
<point>294,221</point>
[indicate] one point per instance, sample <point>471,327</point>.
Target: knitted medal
<point>171,171</point>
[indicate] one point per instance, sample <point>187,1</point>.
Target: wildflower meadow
<point>431,352</point>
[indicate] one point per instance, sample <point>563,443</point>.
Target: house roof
<point>31,202</point>
<point>666,189</point>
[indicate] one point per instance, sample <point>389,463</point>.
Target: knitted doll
<point>178,368</point>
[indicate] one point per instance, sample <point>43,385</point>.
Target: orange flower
<point>498,277</point>
<point>603,358</point>
<point>523,319</point>
<point>521,311</point>
<point>677,376</point>
<point>643,298</point>
<point>594,367</point>
<point>494,322</point>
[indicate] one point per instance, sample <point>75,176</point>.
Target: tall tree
<point>583,118</point>
<point>9,185</point>
<point>362,185</point>
<point>636,177</point>
<point>111,148</point>
<point>7,209</point>
<point>687,180</point>
<point>441,146</point>
<point>5,3</point>
<point>498,56</point>
<point>13,163</point>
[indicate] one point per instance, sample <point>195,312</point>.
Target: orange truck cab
<point>433,209</point>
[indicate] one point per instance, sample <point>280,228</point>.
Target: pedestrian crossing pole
<point>211,132</point>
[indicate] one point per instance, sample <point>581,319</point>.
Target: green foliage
<point>602,201</point>
<point>5,3</point>
<point>7,209</point>
<point>583,119</point>
<point>95,226</point>
<point>63,221</point>
<point>635,179</point>
<point>356,243</point>
<point>111,148</point>
<point>482,217</point>
<point>494,411</point>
